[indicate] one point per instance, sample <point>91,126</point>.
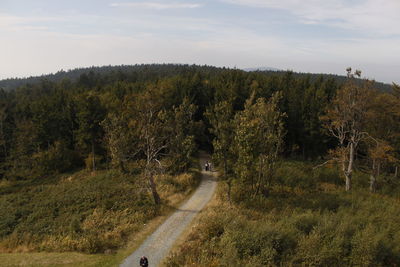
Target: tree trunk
<point>93,158</point>
<point>259,179</point>
<point>153,187</point>
<point>349,171</point>
<point>372,182</point>
<point>225,167</point>
<point>122,166</point>
<point>229,183</point>
<point>3,138</point>
<point>396,171</point>
<point>378,170</point>
<point>348,181</point>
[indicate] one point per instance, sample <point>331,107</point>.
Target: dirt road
<point>158,244</point>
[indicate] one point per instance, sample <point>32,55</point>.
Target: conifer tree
<point>183,128</point>
<point>221,117</point>
<point>118,140</point>
<point>89,134</point>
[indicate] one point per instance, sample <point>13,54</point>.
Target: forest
<point>309,162</point>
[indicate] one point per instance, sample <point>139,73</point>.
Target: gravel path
<point>158,244</point>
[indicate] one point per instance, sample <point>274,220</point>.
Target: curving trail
<point>158,244</point>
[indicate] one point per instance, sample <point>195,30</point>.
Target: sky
<point>319,36</point>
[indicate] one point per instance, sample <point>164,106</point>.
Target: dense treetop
<point>107,115</point>
<point>134,128</point>
<point>149,72</point>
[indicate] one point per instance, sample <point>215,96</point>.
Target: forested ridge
<point>276,137</point>
<point>143,72</point>
<point>39,120</point>
<point>148,72</point>
<point>70,120</point>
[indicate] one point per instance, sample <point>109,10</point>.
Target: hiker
<point>206,166</point>
<point>144,262</point>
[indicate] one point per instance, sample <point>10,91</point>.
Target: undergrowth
<point>83,212</point>
<point>307,220</point>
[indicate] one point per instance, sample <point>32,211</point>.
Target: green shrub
<point>296,175</point>
<point>328,174</point>
<point>311,228</point>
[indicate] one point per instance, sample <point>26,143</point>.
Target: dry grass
<point>295,226</point>
<point>192,229</point>
<point>111,227</point>
<point>5,183</point>
<point>53,259</point>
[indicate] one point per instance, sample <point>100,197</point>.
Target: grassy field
<point>72,259</point>
<point>93,219</point>
<point>307,220</point>
<point>53,259</point>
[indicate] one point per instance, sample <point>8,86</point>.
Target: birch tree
<point>379,153</point>
<point>346,121</point>
<point>149,124</point>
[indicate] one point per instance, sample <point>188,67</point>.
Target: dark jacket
<point>144,262</point>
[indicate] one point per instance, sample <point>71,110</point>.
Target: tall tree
<point>221,117</point>
<point>183,129</point>
<point>383,130</point>
<point>396,139</point>
<point>258,140</point>
<point>346,120</point>
<point>25,144</point>
<point>118,139</point>
<point>149,123</point>
<point>379,153</point>
<point>3,135</point>
<point>89,134</point>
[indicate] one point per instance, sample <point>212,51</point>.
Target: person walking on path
<point>144,262</point>
<point>161,241</point>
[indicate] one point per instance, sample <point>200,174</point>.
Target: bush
<point>296,175</point>
<point>57,159</point>
<point>331,228</point>
<point>328,174</point>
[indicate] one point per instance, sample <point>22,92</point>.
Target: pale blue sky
<point>44,36</point>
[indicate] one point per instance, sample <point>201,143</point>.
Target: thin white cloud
<point>34,53</point>
<point>156,5</point>
<point>17,23</point>
<point>151,38</point>
<point>373,17</point>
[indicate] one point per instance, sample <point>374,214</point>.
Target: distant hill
<point>155,71</point>
<point>262,69</point>
<point>339,78</point>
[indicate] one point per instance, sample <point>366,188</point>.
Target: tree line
<point>157,116</point>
